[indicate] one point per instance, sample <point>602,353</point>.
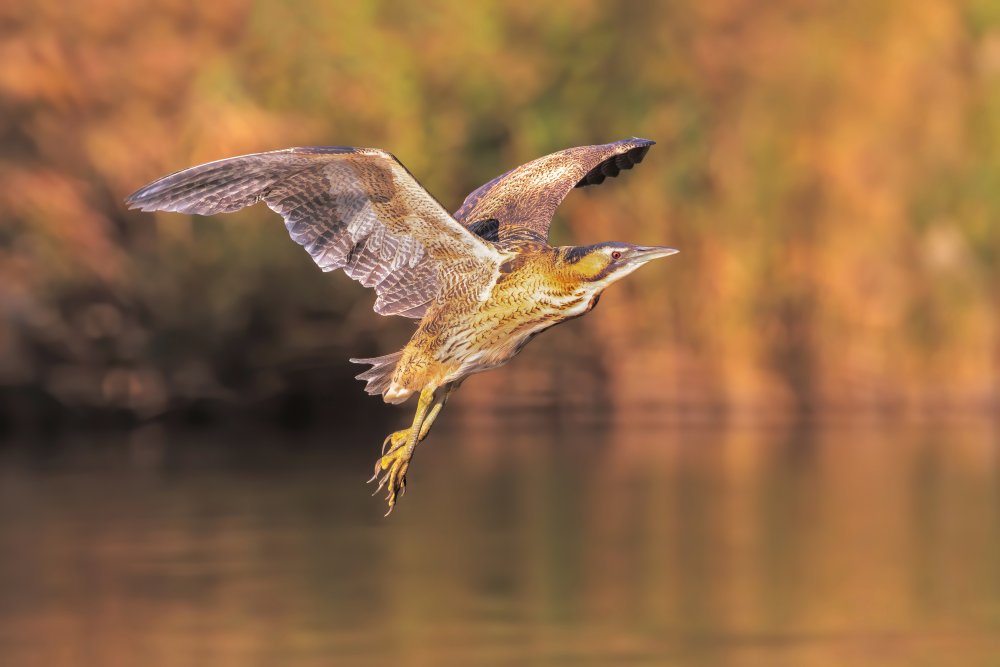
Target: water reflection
<point>624,542</point>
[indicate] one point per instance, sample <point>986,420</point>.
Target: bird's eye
<point>616,255</point>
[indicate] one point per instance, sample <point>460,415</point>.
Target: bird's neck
<point>551,275</point>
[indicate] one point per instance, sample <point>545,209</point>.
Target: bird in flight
<point>482,282</point>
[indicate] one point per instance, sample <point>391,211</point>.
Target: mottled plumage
<point>356,209</point>
<point>527,196</point>
<point>482,283</point>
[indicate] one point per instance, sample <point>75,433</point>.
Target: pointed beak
<point>644,254</point>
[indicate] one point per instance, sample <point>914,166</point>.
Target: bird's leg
<point>439,403</point>
<point>398,439</point>
<point>390,469</point>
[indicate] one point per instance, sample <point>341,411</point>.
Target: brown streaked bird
<point>482,282</point>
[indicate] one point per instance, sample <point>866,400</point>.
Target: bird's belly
<point>492,357</point>
<point>499,334</point>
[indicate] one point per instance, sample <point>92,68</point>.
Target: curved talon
<point>390,472</point>
<point>375,476</point>
<point>397,483</point>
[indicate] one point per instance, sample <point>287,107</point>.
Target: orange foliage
<point>830,171</point>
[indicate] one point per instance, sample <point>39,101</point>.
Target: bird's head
<point>598,266</point>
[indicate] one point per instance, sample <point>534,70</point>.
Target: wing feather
<point>356,209</point>
<point>527,197</point>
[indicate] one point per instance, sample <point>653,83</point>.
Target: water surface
<point>625,542</point>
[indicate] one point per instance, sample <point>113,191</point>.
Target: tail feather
<point>379,376</point>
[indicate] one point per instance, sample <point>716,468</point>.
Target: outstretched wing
<point>356,209</point>
<point>527,196</point>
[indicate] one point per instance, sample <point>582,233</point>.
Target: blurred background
<point>778,447</point>
<point>830,170</point>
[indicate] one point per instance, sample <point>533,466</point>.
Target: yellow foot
<point>390,469</point>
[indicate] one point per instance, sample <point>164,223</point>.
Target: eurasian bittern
<point>482,282</point>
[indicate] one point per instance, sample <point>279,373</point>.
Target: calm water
<point>631,543</point>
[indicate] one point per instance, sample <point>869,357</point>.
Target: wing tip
<point>135,201</point>
<point>146,199</point>
<point>139,198</point>
<point>622,155</point>
<point>639,141</point>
